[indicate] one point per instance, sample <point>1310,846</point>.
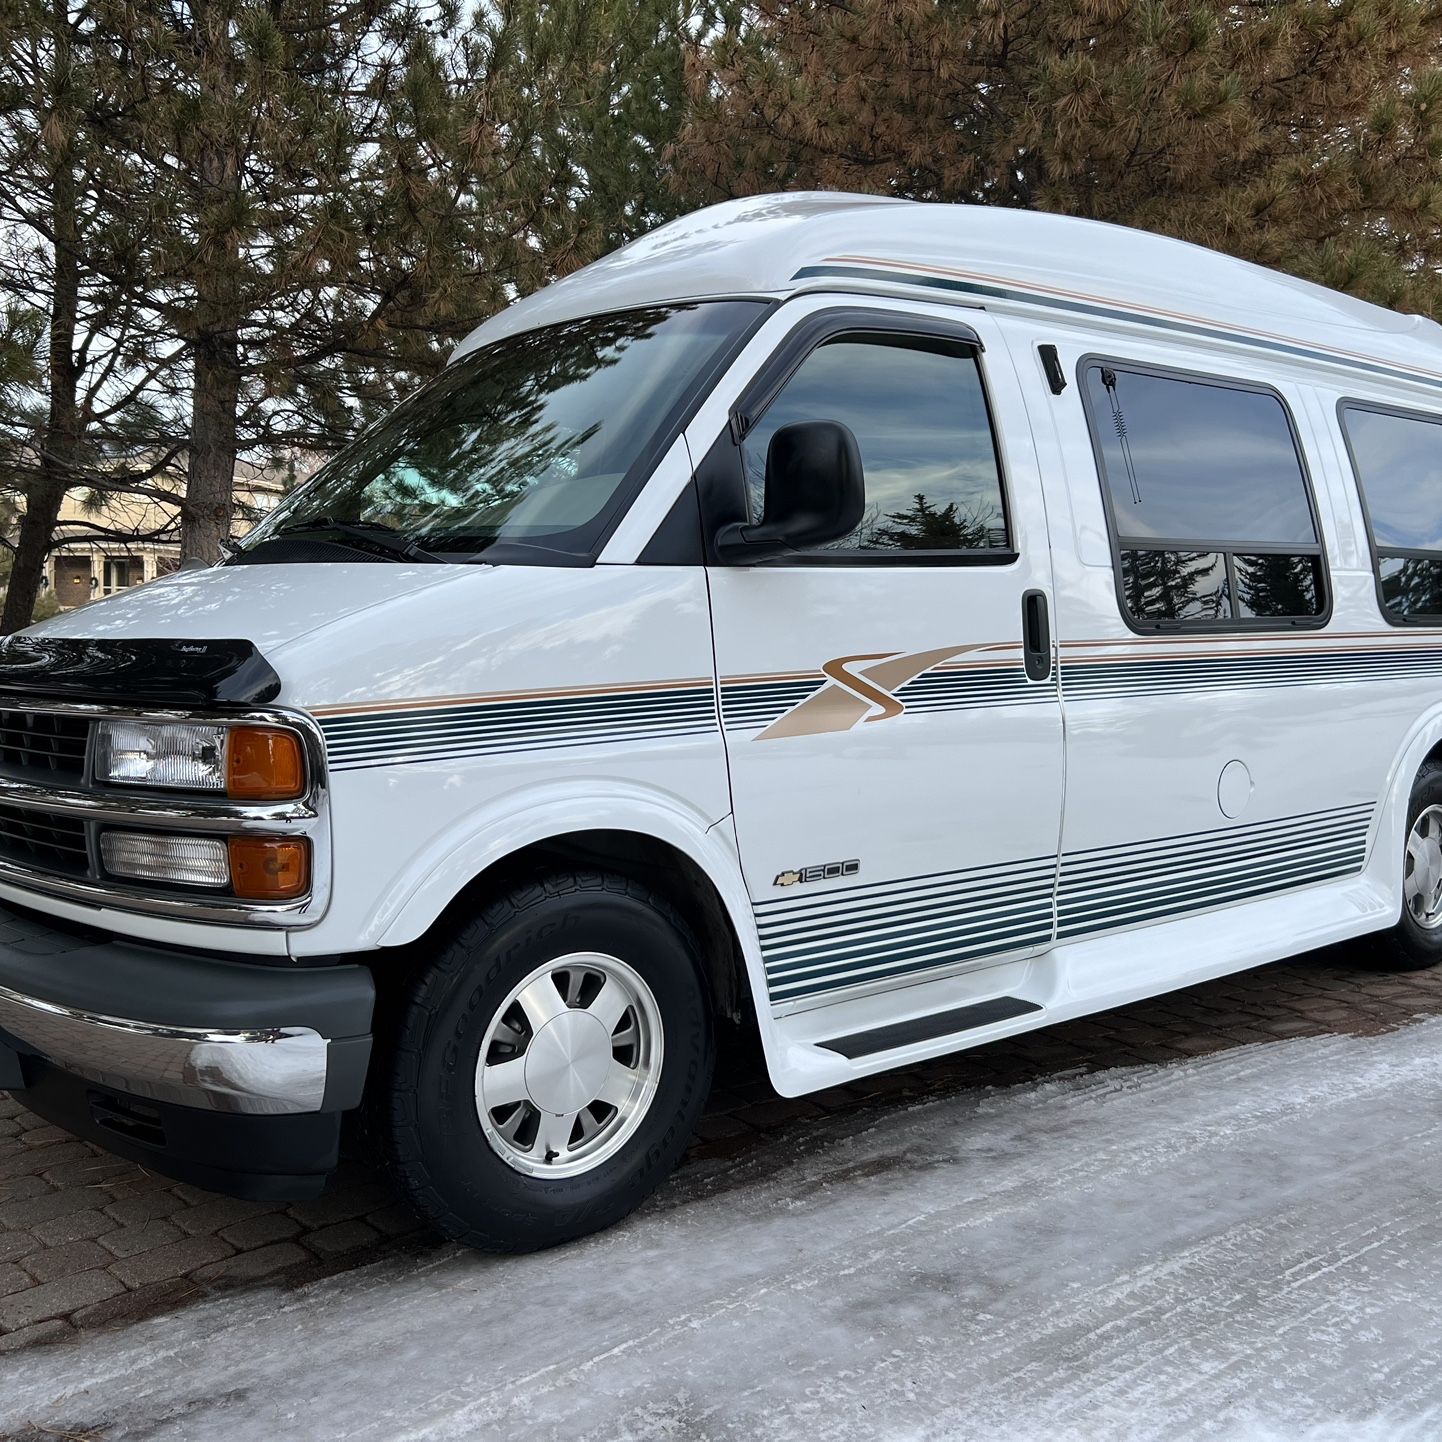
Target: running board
<point>928,1028</point>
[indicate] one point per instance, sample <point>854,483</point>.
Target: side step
<point>928,1028</point>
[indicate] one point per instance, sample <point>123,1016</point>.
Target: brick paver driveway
<point>88,1241</point>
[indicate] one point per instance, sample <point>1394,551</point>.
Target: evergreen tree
<point>924,526</point>
<point>329,191</point>
<point>1277,585</point>
<point>1299,134</point>
<point>1173,586</point>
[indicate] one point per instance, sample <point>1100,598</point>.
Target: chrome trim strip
<point>220,910</point>
<point>200,813</point>
<point>272,1072</point>
<point>309,816</point>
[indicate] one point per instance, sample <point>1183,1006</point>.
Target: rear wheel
<point>1415,942</point>
<point>551,1064</point>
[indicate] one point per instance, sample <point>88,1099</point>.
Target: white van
<point>899,625</point>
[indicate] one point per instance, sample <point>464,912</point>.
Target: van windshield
<point>524,450</point>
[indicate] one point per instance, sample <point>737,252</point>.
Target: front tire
<point>551,1064</point>
<point>1415,942</point>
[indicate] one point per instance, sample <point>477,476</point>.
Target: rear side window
<point>917,409</point>
<point>1397,459</point>
<point>1210,510</point>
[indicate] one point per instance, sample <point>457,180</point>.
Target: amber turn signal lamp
<point>264,868</point>
<point>263,764</point>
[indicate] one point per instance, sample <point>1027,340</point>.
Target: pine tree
<point>1172,586</point>
<point>1276,585</point>
<point>44,84</point>
<point>329,191</point>
<point>243,126</point>
<point>248,224</point>
<point>924,526</point>
<point>85,412</point>
<point>1297,134</point>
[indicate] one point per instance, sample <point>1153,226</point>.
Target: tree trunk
<point>215,339</point>
<point>60,444</point>
<point>210,473</point>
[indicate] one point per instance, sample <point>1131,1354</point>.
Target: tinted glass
<point>1411,587</point>
<point>1189,461</point>
<point>1176,585</point>
<point>524,445</point>
<point>1399,467</point>
<point>1278,585</point>
<point>920,420</point>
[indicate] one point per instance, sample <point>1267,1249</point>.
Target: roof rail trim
<point>993,290</point>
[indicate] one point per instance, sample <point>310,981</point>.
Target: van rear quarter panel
<point>1330,722</point>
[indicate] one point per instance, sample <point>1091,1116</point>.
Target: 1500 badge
<point>827,871</point>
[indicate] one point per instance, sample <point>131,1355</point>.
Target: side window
<point>1210,509</point>
<point>1398,462</point>
<point>917,409</point>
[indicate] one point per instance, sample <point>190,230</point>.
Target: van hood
<point>343,635</point>
<point>270,606</point>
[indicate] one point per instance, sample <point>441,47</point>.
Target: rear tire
<point>550,1064</point>
<point>1415,942</point>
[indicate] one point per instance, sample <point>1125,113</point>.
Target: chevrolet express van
<point>898,625</point>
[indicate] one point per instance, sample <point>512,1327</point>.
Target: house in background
<point>105,541</point>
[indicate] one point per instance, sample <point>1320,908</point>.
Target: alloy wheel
<point>569,1065</point>
<point>1422,882</point>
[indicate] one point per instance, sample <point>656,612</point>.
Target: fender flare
<point>524,818</point>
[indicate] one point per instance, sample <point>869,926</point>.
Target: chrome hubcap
<point>1422,885</point>
<point>569,1065</point>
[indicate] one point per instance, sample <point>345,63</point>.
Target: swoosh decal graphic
<point>849,696</point>
<point>858,685</point>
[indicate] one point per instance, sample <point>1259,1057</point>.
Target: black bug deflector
<point>138,672</point>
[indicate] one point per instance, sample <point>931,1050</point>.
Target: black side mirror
<point>815,492</point>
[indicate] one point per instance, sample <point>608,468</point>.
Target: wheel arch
<point>687,864</point>
<point>1423,743</point>
<point>658,865</point>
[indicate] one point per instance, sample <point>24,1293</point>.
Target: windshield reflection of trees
<point>462,454</point>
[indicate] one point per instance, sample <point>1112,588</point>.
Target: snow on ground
<point>1246,1247</point>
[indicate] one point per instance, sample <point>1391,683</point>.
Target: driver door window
<point>919,414</point>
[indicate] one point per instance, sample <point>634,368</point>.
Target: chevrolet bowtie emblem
<point>826,871</point>
<point>864,694</point>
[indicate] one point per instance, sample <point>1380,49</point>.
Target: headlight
<point>161,753</point>
<point>248,763</point>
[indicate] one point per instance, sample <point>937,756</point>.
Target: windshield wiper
<point>373,534</point>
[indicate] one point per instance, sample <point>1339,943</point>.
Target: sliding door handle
<point>1035,635</point>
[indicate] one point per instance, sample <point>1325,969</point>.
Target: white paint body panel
<point>471,711</point>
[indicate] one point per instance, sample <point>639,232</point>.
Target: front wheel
<point>1415,942</point>
<point>551,1064</point>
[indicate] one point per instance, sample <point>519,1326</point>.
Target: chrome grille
<point>45,840</point>
<point>53,813</point>
<point>43,741</point>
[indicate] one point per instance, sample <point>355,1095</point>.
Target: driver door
<point>889,700</point>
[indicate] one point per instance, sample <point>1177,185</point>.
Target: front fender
<point>456,857</point>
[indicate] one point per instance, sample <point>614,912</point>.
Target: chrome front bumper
<point>274,1070</point>
<point>193,1030</point>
